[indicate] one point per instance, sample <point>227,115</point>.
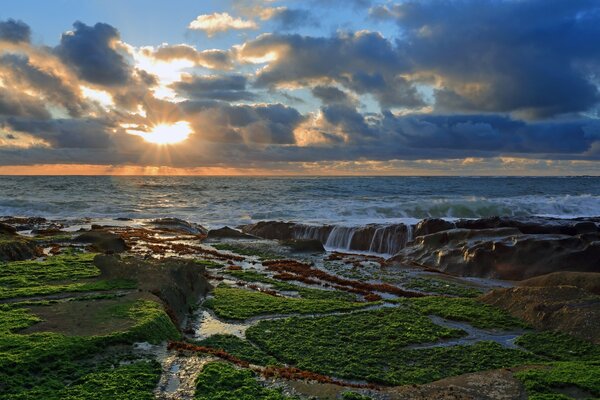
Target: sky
<point>313,87</point>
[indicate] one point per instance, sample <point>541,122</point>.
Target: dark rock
<point>24,223</point>
<point>564,308</point>
<point>178,283</point>
<point>503,253</point>
<point>17,248</point>
<point>6,229</point>
<point>50,231</point>
<point>123,219</point>
<point>304,245</point>
<point>432,225</point>
<point>103,241</point>
<point>270,230</point>
<point>179,225</point>
<point>228,233</point>
<point>532,225</point>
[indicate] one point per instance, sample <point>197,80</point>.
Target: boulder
<point>103,241</point>
<point>304,245</point>
<point>17,248</point>
<point>589,281</point>
<point>432,225</point>
<point>563,308</point>
<point>178,283</point>
<point>6,229</point>
<point>179,225</point>
<point>270,230</point>
<point>228,233</point>
<point>502,253</point>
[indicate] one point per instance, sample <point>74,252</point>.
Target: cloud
<point>287,19</point>
<point>15,31</point>
<point>331,95</point>
<point>92,52</point>
<point>220,22</point>
<point>213,58</point>
<point>216,87</point>
<point>534,58</point>
<point>365,62</point>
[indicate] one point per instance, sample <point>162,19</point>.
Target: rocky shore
<point>496,308</point>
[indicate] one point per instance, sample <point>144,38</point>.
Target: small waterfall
<point>341,238</point>
<point>380,239</point>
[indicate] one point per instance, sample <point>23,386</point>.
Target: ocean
<point>346,201</point>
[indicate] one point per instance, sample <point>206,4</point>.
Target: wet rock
<point>270,230</point>
<point>564,308</point>
<point>228,233</point>
<point>178,283</point>
<point>304,245</point>
<point>432,225</point>
<point>589,281</point>
<point>17,248</point>
<point>533,225</point>
<point>502,253</point>
<point>49,231</point>
<point>179,225</point>
<point>24,223</point>
<point>6,229</point>
<point>105,242</point>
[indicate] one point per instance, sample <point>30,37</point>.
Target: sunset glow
<point>164,134</point>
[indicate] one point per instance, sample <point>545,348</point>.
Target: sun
<point>168,133</point>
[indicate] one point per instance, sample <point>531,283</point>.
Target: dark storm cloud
<point>330,95</point>
<point>289,18</point>
<point>65,133</point>
<point>21,104</point>
<point>216,87</point>
<point>14,31</point>
<point>91,51</point>
<point>537,57</point>
<point>259,124</point>
<point>365,62</point>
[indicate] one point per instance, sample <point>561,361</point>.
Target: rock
<point>270,230</point>
<point>24,223</point>
<point>50,231</point>
<point>564,308</point>
<point>304,245</point>
<point>178,283</point>
<point>103,241</point>
<point>432,225</point>
<point>228,233</point>
<point>6,229</point>
<point>532,225</point>
<point>502,253</point>
<point>589,281</point>
<point>17,248</point>
<point>179,225</point>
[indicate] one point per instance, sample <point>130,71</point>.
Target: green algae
<point>478,314</point>
<point>240,304</point>
<point>71,272</point>
<point>210,264</point>
<point>439,286</point>
<point>559,346</point>
<point>246,251</point>
<point>371,346</point>
<point>239,348</point>
<point>556,380</point>
<point>304,292</point>
<point>221,381</point>
<point>45,363</point>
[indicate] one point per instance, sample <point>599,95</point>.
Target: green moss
<point>559,346</point>
<point>47,362</point>
<point>548,383</point>
<point>221,381</point>
<point>246,251</point>
<point>438,286</point>
<point>472,311</point>
<point>234,303</point>
<point>71,272</point>
<point>210,264</point>
<point>304,292</point>
<point>371,345</point>
<point>240,348</point>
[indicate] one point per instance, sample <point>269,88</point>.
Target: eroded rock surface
<point>563,308</point>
